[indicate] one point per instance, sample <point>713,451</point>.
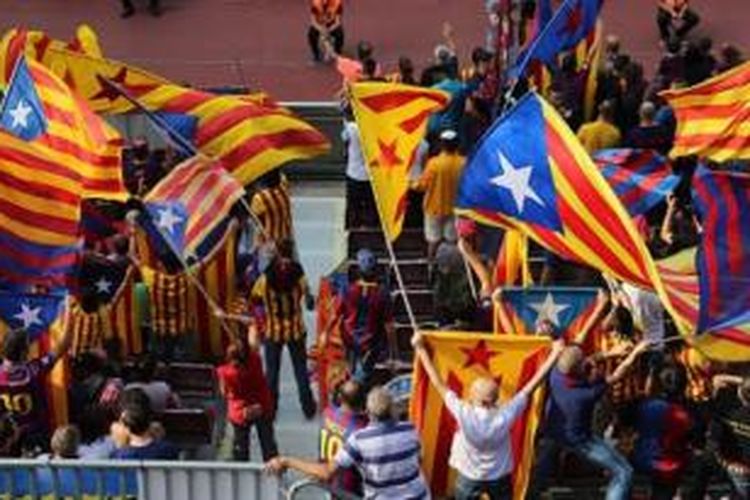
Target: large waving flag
<point>531,173</point>
<point>460,358</point>
<point>30,311</point>
<point>640,178</point>
<point>512,264</point>
<point>39,215</point>
<point>39,107</point>
<point>723,201</point>
<point>572,22</point>
<point>392,120</point>
<point>191,201</point>
<point>712,117</point>
<point>520,310</point>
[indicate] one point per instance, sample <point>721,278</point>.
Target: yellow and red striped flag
<point>713,117</point>
<point>512,265</point>
<point>460,358</point>
<point>392,120</point>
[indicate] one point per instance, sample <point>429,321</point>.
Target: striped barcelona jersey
<point>338,425</point>
<point>23,393</point>
<point>387,455</point>
<point>273,208</point>
<point>278,305</point>
<point>633,385</point>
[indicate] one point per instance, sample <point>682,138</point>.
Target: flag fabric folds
<point>713,116</point>
<point>512,265</point>
<point>191,201</point>
<point>40,107</point>
<point>640,178</point>
<point>567,309</point>
<point>392,120</point>
<point>32,312</point>
<point>460,358</point>
<point>39,215</point>
<point>531,173</point>
<point>722,200</point>
<point>571,23</point>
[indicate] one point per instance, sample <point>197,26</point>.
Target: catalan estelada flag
<point>712,117</point>
<point>512,264</point>
<point>39,215</point>
<point>680,277</point>
<point>722,200</point>
<point>641,178</point>
<point>192,200</point>
<point>460,358</point>
<point>32,312</point>
<point>531,173</point>
<point>392,120</point>
<point>572,22</point>
<point>568,309</point>
<point>39,107</point>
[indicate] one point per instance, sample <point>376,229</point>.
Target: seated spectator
<point>439,181</point>
<point>136,419</point>
<point>664,424</point>
<point>675,19</point>
<point>340,420</point>
<point>249,401</point>
<point>65,441</point>
<point>481,449</point>
<point>23,386</point>
<point>385,472</point>
<point>160,394</point>
<point>601,133</point>
<point>649,134</point>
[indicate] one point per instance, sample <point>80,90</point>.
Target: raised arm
<point>557,349</point>
<point>666,226</point>
<point>320,471</point>
<point>602,300</point>
<point>421,353</point>
<point>623,368</point>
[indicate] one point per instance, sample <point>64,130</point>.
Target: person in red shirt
<point>326,26</point>
<point>23,392</point>
<point>249,401</point>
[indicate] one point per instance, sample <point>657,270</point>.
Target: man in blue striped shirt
<point>386,452</point>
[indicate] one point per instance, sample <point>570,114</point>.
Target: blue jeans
<point>468,489</point>
<point>598,452</point>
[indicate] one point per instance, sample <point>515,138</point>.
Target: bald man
<point>481,451</point>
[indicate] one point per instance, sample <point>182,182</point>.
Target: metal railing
<point>299,488</point>
<point>147,480</point>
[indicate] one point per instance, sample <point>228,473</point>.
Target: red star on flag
<point>479,355</point>
<point>387,157</point>
<point>107,90</point>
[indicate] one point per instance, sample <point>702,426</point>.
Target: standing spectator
<point>439,181</point>
<point>249,401</point>
<point>649,134</point>
<point>481,450</point>
<point>386,452</point>
<point>272,207</point>
<point>675,19</point>
<point>360,204</point>
<point>574,392</point>
<point>142,444</point>
<point>451,116</point>
<point>128,9</point>
<point>23,384</point>
<point>325,25</point>
<point>277,299</point>
<point>664,424</point>
<point>339,422</point>
<point>367,313</point>
<point>160,394</point>
<point>601,133</point>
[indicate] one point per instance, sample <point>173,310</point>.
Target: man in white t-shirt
<point>481,452</point>
<point>360,204</point>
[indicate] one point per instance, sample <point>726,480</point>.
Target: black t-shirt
<point>730,428</point>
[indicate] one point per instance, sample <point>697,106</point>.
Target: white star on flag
<point>20,114</point>
<point>103,286</point>
<point>168,219</point>
<point>549,310</point>
<point>29,316</point>
<point>517,181</point>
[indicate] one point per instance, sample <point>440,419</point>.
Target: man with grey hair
<point>386,452</point>
<point>481,450</point>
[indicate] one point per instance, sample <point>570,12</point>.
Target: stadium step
<point>409,245</point>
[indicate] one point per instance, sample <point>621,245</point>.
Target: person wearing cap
<point>367,313</point>
<point>439,181</point>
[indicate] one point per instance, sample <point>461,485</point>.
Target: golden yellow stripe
<point>718,126</point>
<point>249,129</point>
<point>269,159</point>
<point>40,205</point>
<point>35,234</point>
<point>730,96</point>
<point>157,97</point>
<point>24,172</point>
<point>85,169</point>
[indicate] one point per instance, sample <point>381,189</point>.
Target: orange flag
<point>392,120</point>
<point>460,358</point>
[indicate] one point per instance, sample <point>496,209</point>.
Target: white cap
<point>448,135</point>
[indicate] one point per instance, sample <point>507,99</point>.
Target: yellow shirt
<point>439,181</point>
<point>598,135</point>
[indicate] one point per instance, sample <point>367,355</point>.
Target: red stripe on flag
<point>39,189</point>
<point>721,139</point>
<point>234,115</point>
<point>279,140</point>
<point>388,101</point>
<point>410,125</point>
<point>10,154</point>
<point>16,46</point>
<point>710,252</point>
<point>47,222</point>
<point>444,439</point>
<point>220,203</point>
<point>183,102</point>
<point>43,78</point>
<point>733,226</point>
